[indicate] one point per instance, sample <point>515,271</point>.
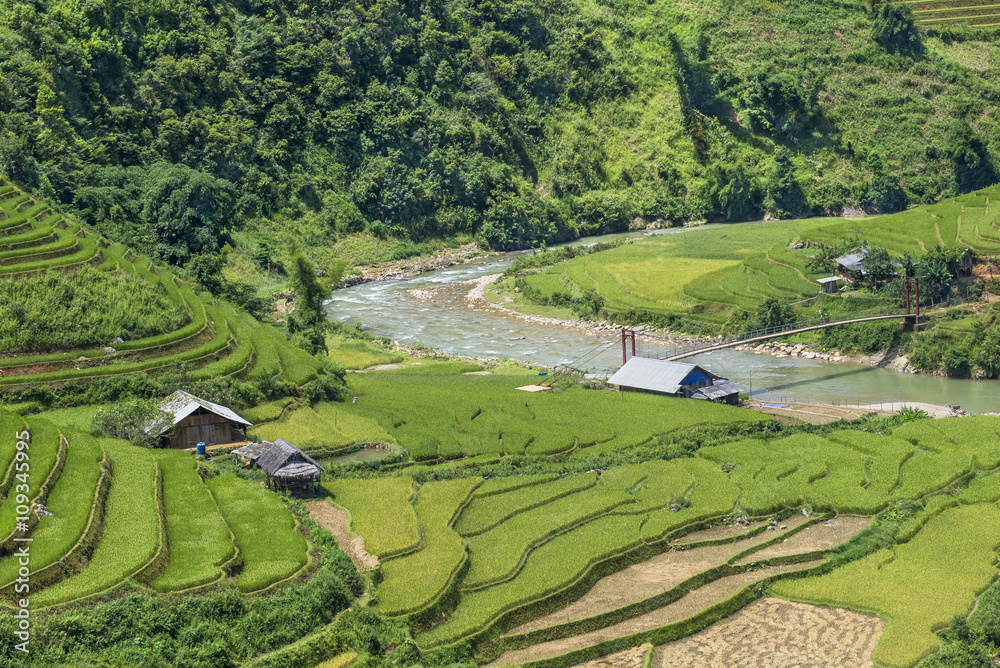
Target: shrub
<point>956,363</point>
<point>137,421</point>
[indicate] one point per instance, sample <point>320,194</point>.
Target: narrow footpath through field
<point>334,520</point>
<point>772,633</point>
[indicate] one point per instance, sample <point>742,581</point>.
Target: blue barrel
<point>201,448</point>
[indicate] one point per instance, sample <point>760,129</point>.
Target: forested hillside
<point>176,126</point>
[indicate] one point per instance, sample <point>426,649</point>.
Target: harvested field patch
<point>630,658</point>
<point>716,533</point>
<point>772,633</point>
<point>816,413</point>
<point>822,536</point>
<point>334,520</point>
<point>696,601</point>
<point>649,578</point>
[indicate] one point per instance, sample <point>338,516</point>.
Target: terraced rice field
<point>127,516</point>
<point>707,274</point>
<point>918,586</point>
<point>215,340</point>
<point>554,571</point>
<point>975,13</point>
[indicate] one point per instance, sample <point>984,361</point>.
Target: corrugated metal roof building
<point>196,421</point>
<point>853,261</point>
<point>828,284</point>
<point>677,379</point>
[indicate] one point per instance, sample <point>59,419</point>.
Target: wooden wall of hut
<point>201,427</point>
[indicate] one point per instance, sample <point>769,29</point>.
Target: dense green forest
<point>177,127</point>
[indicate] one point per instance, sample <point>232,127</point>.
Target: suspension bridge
<point>910,312</point>
<point>788,329</point>
<point>777,332</point>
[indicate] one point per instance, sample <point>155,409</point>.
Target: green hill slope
<point>175,128</point>
<point>77,311</point>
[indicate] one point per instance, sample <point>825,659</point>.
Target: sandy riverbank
<point>476,298</point>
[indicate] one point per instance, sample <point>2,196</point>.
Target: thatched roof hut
<point>287,467</point>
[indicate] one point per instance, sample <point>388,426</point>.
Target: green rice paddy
<point>393,528</point>
<point>708,273</point>
<point>199,539</point>
<point>124,515</point>
<point>271,547</point>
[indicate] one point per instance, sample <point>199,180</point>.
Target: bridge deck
<point>775,335</point>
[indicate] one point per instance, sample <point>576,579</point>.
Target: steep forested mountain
<point>172,125</point>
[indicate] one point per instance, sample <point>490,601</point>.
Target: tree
<point>187,211</point>
<point>878,266</point>
<point>772,313</point>
<point>774,102</point>
<point>784,194</point>
<point>956,363</point>
<point>309,293</point>
<point>305,324</point>
<point>736,192</point>
<point>936,271</point>
<point>137,421</point>
<point>881,191</point>
<point>894,28</point>
<point>970,159</point>
<point>987,356</point>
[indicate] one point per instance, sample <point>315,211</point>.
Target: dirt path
<point>698,600</point>
<point>821,536</point>
<point>772,633</point>
<point>630,658</point>
<point>334,520</point>
<point>649,578</point>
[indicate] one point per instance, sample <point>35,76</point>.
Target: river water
<point>431,309</point>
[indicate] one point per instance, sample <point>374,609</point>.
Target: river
<point>431,309</point>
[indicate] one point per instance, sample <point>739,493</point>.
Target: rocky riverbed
<point>410,267</point>
<point>891,359</point>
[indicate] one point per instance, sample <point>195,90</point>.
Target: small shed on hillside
<point>196,421</point>
<point>643,374</point>
<point>722,392</point>
<point>249,454</point>
<point>829,284</point>
<point>289,468</point>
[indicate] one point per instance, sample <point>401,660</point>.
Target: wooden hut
<point>249,454</point>
<point>288,468</point>
<point>829,284</point>
<point>193,420</point>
